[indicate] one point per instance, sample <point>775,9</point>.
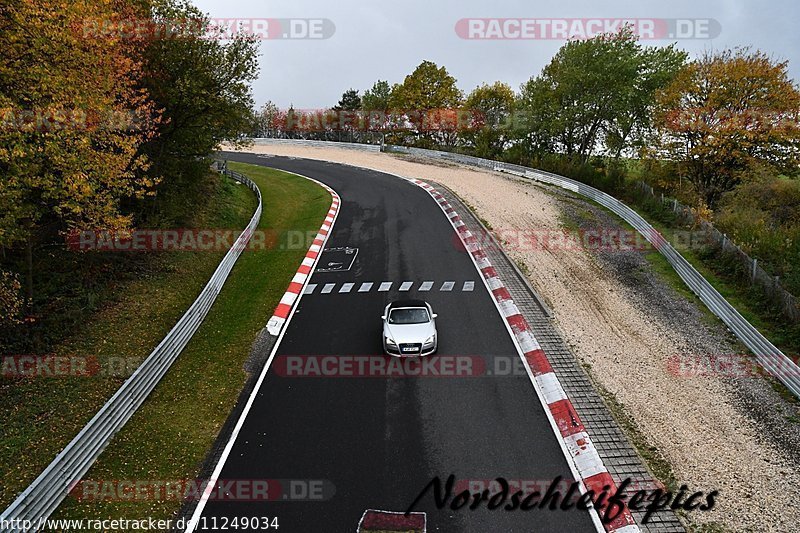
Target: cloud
<point>386,40</point>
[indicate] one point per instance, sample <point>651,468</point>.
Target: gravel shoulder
<point>627,326</point>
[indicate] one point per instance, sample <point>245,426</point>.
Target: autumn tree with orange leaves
<point>103,107</point>
<point>72,118</point>
<point>726,114</point>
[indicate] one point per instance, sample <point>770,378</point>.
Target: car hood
<point>409,333</point>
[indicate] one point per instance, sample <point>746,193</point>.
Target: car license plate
<point>411,349</point>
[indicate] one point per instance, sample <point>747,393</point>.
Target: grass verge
<point>716,270</point>
<point>42,415</point>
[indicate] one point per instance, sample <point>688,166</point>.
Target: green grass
<point>170,435</point>
<point>662,267</point>
<point>745,299</point>
<point>724,274</point>
<point>41,416</point>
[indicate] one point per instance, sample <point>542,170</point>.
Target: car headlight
<point>389,340</point>
<point>430,340</point>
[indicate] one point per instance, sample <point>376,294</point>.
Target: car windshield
<point>417,315</point>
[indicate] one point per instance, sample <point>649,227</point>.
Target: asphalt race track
<point>375,442</point>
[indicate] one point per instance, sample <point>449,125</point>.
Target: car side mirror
<point>434,315</point>
<point>383,317</point>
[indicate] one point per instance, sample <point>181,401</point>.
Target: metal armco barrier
<point>45,494</point>
<point>770,357</point>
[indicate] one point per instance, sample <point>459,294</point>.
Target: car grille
<point>410,349</point>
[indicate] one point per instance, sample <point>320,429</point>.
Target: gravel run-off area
<point>628,327</point>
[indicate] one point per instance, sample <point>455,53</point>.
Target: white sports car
<point>409,328</point>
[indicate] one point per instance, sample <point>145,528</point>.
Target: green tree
<point>429,99</point>
<point>633,125</point>
<point>350,101</point>
<point>266,120</point>
<point>203,86</point>
<point>375,106</point>
<point>490,109</point>
<point>595,94</point>
<point>72,119</point>
<point>428,87</point>
<point>535,118</point>
<point>725,114</point>
<point>97,116</point>
<point>763,216</point>
<point>345,116</point>
<point>377,98</point>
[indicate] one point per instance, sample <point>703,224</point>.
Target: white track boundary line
<point>595,517</point>
<point>192,525</point>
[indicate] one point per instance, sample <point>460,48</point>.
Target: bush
<point>763,217</point>
<point>10,299</point>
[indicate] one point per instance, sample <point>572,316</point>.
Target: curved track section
<point>367,437</point>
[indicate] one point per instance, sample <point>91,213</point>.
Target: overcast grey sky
<point>382,39</point>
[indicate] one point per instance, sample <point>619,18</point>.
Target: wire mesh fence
<point>770,284</point>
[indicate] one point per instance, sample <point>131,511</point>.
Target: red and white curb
<point>299,280</point>
<point>587,463</point>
